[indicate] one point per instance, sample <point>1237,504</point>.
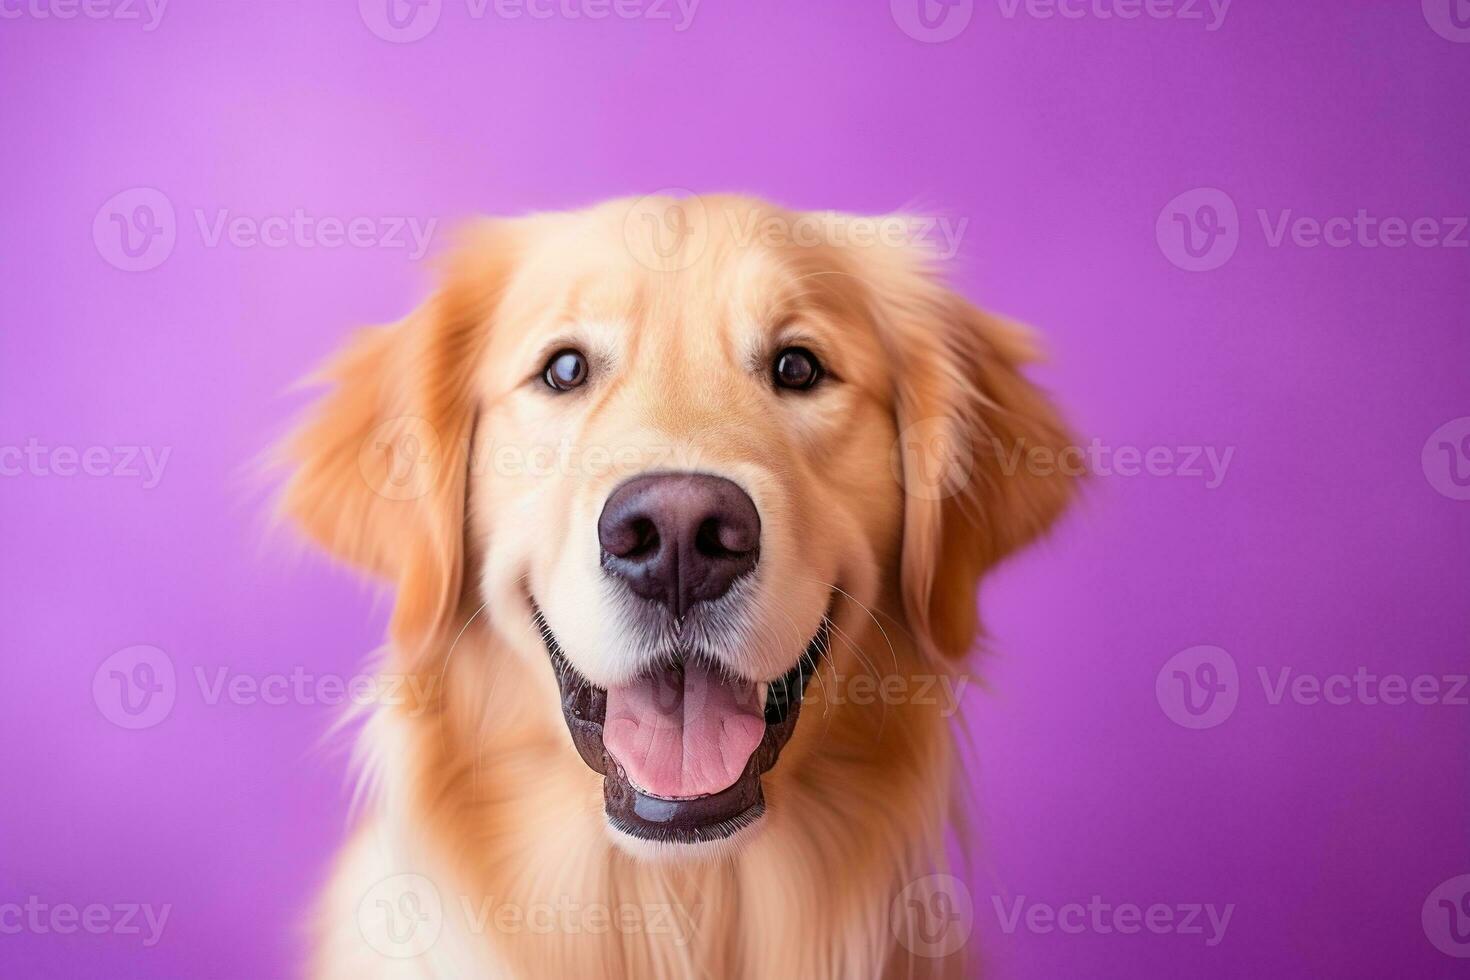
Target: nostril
<point>633,538</point>
<point>707,539</point>
<point>644,537</point>
<point>716,538</point>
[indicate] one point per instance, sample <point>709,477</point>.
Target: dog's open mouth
<point>682,749</point>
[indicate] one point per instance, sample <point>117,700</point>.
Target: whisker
<point>444,671</point>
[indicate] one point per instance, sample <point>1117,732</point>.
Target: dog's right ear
<point>381,463</point>
<point>963,401</point>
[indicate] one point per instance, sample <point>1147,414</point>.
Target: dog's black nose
<point>679,538</point>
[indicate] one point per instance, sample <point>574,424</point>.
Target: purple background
<point>1327,546</point>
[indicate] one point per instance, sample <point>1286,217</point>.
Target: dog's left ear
<point>380,466</point>
<point>986,462</point>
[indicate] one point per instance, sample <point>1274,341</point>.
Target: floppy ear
<point>381,462</point>
<point>983,453</point>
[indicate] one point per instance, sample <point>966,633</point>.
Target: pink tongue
<point>682,733</point>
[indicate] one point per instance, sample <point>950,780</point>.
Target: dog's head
<point>680,451</point>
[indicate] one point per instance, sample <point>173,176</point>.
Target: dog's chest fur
<point>529,885</point>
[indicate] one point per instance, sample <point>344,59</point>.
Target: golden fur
<point>408,469</point>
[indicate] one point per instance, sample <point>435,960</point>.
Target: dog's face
<point>679,471</point>
<point>674,457</point>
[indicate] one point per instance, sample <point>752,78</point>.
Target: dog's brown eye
<point>566,370</point>
<point>798,368</point>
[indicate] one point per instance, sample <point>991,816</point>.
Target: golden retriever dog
<point>663,486</point>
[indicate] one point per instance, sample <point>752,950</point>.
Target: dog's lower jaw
<point>676,853</point>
